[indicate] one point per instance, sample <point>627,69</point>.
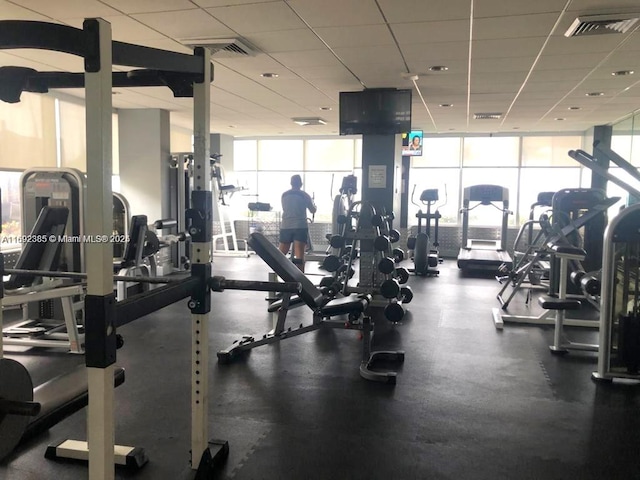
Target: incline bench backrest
<point>285,269</point>
<point>38,254</point>
<point>135,244</point>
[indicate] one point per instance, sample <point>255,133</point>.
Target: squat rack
<point>187,76</point>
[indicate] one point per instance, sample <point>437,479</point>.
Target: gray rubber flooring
<point>470,402</point>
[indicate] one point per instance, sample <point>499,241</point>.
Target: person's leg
<point>284,247</point>
<point>286,237</point>
<point>298,253</point>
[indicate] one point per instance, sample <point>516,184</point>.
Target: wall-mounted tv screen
<point>375,111</point>
<point>412,143</point>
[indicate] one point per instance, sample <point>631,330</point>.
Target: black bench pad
<point>345,305</point>
<point>553,303</point>
<point>62,396</point>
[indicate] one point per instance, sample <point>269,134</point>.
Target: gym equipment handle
<point>14,407</point>
<point>218,284</point>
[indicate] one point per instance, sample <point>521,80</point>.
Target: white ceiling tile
<point>313,58</point>
<point>255,18</point>
<point>512,47</point>
<point>285,41</point>
<point>517,26</point>
<point>498,8</point>
<point>149,6</point>
<point>69,8</point>
<point>10,11</point>
<point>185,24</point>
<point>562,45</point>
<point>437,32</point>
<point>356,36</point>
<point>408,11</point>
<point>332,13</point>
<point>124,29</point>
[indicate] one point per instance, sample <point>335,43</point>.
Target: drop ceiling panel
<point>437,53</point>
<point>285,41</point>
<point>356,36</point>
<point>51,60</point>
<point>385,54</point>
<point>255,18</point>
<point>599,6</point>
<point>513,47</point>
<point>574,75</point>
<point>9,11</point>
<point>332,13</point>
<point>407,11</point>
<point>578,60</point>
<point>518,26</point>
<point>511,64</point>
<point>124,29</point>
<point>311,58</point>
<point>587,44</point>
<point>498,8</point>
<point>185,24</point>
<point>222,3</point>
<point>69,8</point>
<point>426,32</point>
<point>149,6</point>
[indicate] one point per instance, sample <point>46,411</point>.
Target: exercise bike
<point>426,256</point>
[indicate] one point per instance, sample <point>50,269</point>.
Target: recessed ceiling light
<point>559,119</point>
<point>269,75</point>
<point>232,126</point>
<point>574,108</point>
<point>305,121</point>
<point>115,93</point>
<point>620,73</point>
<point>325,108</point>
<point>438,68</point>
<point>594,94</point>
<point>516,128</point>
<point>446,105</point>
<point>487,116</point>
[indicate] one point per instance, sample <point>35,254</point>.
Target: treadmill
<point>484,255</point>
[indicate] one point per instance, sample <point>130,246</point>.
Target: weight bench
<point>324,308</point>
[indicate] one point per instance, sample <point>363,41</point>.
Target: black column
<point>381,172</point>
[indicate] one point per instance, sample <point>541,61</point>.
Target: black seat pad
<point>345,305</point>
<point>553,303</point>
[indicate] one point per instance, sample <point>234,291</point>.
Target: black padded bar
<point>598,147</point>
<point>143,304</point>
<point>62,38</point>
<point>285,269</point>
<point>40,82</point>
<point>218,284</point>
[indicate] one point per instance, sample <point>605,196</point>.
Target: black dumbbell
<point>331,263</point>
<point>402,274</point>
<point>394,235</point>
<point>406,294</point>
<point>337,241</point>
<point>381,243</point>
<point>386,265</point>
<point>343,268</point>
<point>390,288</point>
<point>397,254</point>
<point>378,220</point>
<point>394,312</point>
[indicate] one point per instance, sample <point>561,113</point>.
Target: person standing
<point>294,228</point>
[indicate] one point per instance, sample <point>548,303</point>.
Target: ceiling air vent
<point>222,47</point>
<point>602,24</point>
<point>487,116</point>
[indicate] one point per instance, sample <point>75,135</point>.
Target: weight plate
<point>15,384</point>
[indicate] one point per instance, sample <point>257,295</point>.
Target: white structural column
<point>98,222</point>
<point>200,255</point>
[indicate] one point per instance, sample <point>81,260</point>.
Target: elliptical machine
<point>426,256</point>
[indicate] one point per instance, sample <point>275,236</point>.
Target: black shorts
<point>289,235</point>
